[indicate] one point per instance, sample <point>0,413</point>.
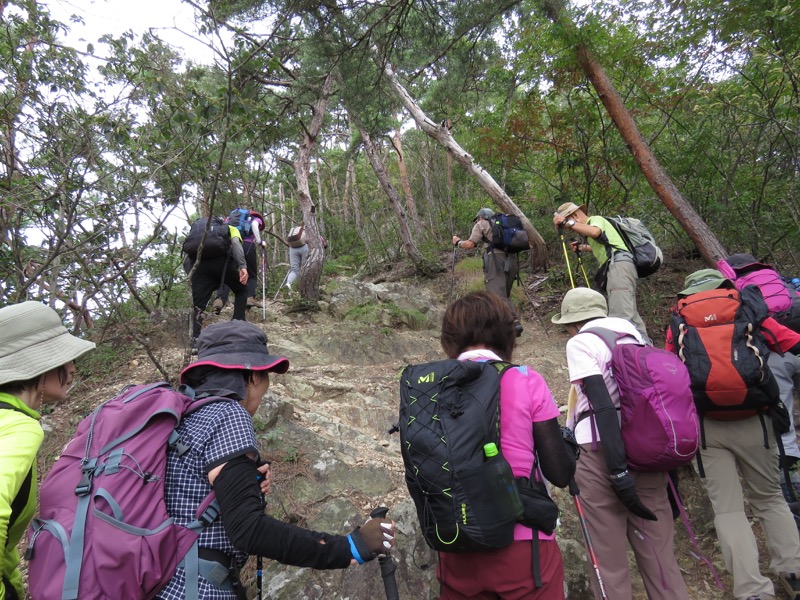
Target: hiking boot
<point>194,347</point>
<point>251,302</point>
<point>518,329</point>
<point>218,305</point>
<point>791,584</point>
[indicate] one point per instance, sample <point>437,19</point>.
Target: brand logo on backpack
<point>711,317</point>
<point>429,378</point>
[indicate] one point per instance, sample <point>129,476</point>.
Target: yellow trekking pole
<point>583,269</point>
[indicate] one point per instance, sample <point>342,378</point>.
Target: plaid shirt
<point>216,433</point>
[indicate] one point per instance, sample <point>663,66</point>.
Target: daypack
<point>217,240</point>
<point>744,270</point>
<point>508,234</point>
<point>295,237</point>
<point>242,219</point>
<point>466,500</point>
<point>647,256</point>
<point>103,530</point>
<point>659,425</point>
<point>716,335</point>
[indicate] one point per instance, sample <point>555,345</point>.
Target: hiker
<point>233,361</point>
<point>620,503</point>
<point>37,367</point>
<point>500,268</point>
<point>298,251</point>
<point>212,271</point>
<point>618,275</point>
<point>786,369</point>
<point>480,327</point>
<point>738,409</point>
<point>251,242</point>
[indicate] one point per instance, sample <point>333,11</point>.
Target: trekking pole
<point>259,558</point>
<point>575,493</point>
<point>566,257</point>
<point>583,269</point>
<point>388,567</point>
<point>453,269</point>
<point>263,283</point>
<point>527,294</point>
<point>285,279</point>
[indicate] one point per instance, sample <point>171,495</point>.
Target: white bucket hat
<point>581,304</point>
<point>33,341</point>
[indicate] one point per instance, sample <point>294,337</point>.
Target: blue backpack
<point>242,219</point>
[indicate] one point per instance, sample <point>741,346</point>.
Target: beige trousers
<point>741,443</point>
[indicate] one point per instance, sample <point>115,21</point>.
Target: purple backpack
<point>659,423</point>
<point>744,270</point>
<point>103,530</point>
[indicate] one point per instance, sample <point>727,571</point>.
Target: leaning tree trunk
<point>394,199</point>
<point>311,271</point>
<point>707,243</point>
<point>441,135</point>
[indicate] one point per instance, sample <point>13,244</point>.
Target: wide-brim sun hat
<point>235,345</point>
<point>33,341</point>
<point>704,280</point>
<point>568,208</point>
<point>486,213</point>
<point>581,304</point>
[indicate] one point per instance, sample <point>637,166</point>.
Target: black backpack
<point>217,240</point>
<point>508,234</point>
<point>466,499</point>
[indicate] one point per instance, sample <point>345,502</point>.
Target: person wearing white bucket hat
<point>36,367</point>
<point>623,507</point>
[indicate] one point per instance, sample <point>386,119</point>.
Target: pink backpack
<point>103,530</point>
<point>744,270</point>
<point>659,426</point>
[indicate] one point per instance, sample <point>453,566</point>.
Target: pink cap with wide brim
<point>235,345</point>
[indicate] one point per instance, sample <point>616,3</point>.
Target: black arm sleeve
<point>605,415</point>
<point>556,461</point>
<point>252,531</point>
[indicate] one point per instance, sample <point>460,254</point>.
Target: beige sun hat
<point>33,341</point>
<point>581,304</point>
<point>568,208</point>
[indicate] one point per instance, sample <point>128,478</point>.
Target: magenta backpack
<point>103,530</point>
<point>744,269</point>
<point>659,424</point>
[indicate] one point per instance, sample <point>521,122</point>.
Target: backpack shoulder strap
<point>609,337</point>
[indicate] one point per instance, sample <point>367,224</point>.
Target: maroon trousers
<point>504,574</point>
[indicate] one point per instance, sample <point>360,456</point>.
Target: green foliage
<point>387,315</point>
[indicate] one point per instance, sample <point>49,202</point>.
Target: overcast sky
<point>171,20</point>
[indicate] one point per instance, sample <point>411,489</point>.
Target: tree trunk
<point>312,267</point>
<point>707,243</point>
<point>411,205</point>
<point>394,199</point>
<point>441,135</point>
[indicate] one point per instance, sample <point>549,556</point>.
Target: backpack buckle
<point>210,514</point>
<point>85,484</point>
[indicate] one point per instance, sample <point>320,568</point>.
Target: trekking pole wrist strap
<point>354,550</point>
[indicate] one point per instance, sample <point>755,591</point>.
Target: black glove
<point>375,537</point>
<point>625,488</point>
<point>570,442</point>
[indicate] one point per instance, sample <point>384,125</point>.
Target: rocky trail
<point>324,425</point>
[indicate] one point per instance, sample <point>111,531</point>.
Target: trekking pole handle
<point>386,562</point>
<point>573,488</point>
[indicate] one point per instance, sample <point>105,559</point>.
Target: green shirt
<point>598,248</point>
<point>20,438</point>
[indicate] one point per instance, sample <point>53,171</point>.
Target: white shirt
<point>588,355</point>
